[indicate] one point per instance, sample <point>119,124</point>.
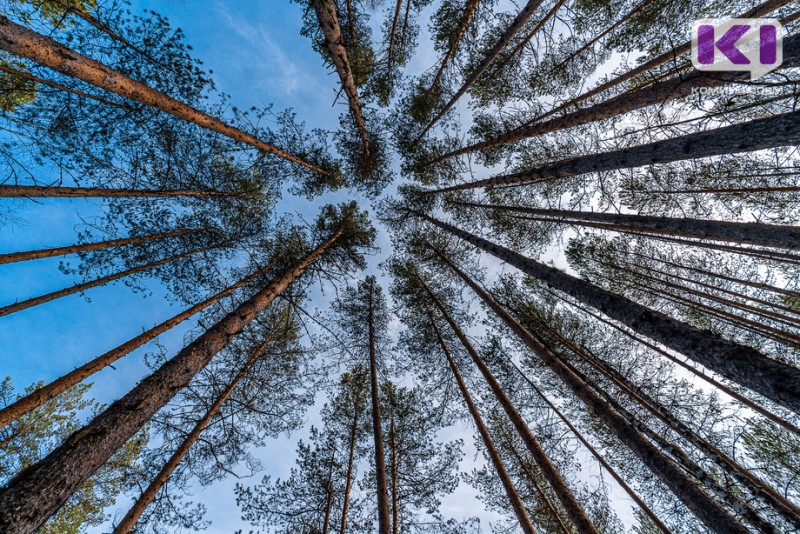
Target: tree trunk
<point>41,489</point>
<point>40,396</point>
<point>550,472</point>
<point>384,526</point>
<point>775,131</point>
<point>328,21</point>
<point>707,509</point>
<point>326,522</point>
<point>761,234</point>
<point>78,288</point>
<point>469,11</point>
<point>48,83</point>
<point>759,11</point>
<point>135,512</point>
<point>515,26</point>
<point>25,43</point>
<point>14,257</point>
<point>395,504</point>
<point>491,450</point>
<point>389,57</point>
<point>350,465</point>
<point>39,191</point>
<point>744,365</point>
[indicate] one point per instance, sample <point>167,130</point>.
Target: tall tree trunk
<point>39,191</point>
<point>328,21</point>
<point>135,512</point>
<point>41,489</point>
<point>350,464</point>
<point>491,450</point>
<point>515,26</point>
<point>326,522</point>
<point>779,130</point>
<point>550,472</point>
<point>744,365</point>
<point>384,525</point>
<point>699,374</point>
<point>710,512</point>
<point>14,257</point>
<point>469,11</point>
<point>25,43</point>
<point>392,34</point>
<point>78,288</point>
<point>758,11</point>
<point>599,457</point>
<point>761,234</point>
<point>525,40</point>
<point>48,83</point>
<point>43,394</point>
<point>395,504</point>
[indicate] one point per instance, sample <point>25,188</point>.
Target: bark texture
<point>38,191</point>
<point>41,489</point>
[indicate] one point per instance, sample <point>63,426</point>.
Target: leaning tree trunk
<point>515,26</point>
<point>571,505</point>
<point>149,494</point>
<point>384,525</point>
<point>709,511</point>
<point>40,191</point>
<point>41,489</point>
<point>759,11</point>
<point>78,288</point>
<point>779,130</point>
<point>25,43</point>
<point>43,394</point>
<point>14,257</point>
<point>392,34</point>
<point>744,365</point>
<point>761,234</point>
<point>350,464</point>
<point>658,93</point>
<point>491,450</point>
<point>469,11</point>
<point>328,21</point>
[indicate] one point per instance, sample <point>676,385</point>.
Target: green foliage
<point>15,91</point>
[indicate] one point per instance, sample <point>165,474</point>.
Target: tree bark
<point>770,132</point>
<point>773,379</point>
<point>350,464</point>
<point>550,472</point>
<point>761,234</point>
<point>469,11</point>
<point>326,522</point>
<point>149,494</point>
<point>39,191</point>
<point>41,489</point>
<point>384,525</point>
<point>78,288</point>
<point>328,21</point>
<point>515,26</point>
<point>389,53</point>
<point>707,509</point>
<point>25,43</point>
<point>40,396</point>
<point>491,450</point>
<point>15,257</point>
<point>395,504</point>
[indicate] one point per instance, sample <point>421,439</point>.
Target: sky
<point>258,57</point>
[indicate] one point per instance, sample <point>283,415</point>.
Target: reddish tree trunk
<point>350,465</point>
<point>469,11</point>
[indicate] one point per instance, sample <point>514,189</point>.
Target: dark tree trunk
<point>384,521</point>
<point>395,503</point>
<point>135,512</point>
<point>389,53</point>
<point>491,450</point>
<point>14,257</point>
<point>744,365</point>
<point>350,465</point>
<point>469,11</point>
<point>525,40</point>
<point>41,489</point>
<point>515,26</point>
<point>550,472</point>
<point>328,21</point>
<point>25,43</point>
<point>707,509</point>
<point>78,288</point>
<point>40,396</point>
<point>779,130</point>
<point>38,191</point>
